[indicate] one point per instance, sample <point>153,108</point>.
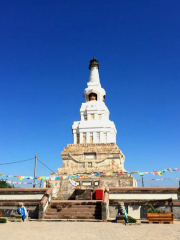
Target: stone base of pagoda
<point>91,158</point>
<point>64,190</point>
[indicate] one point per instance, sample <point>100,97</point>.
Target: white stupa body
<point>94,126</point>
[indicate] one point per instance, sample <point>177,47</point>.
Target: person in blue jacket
<point>122,211</point>
<point>22,210</point>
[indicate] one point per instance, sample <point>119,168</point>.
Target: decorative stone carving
<point>95,157</point>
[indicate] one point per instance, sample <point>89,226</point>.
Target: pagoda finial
<point>93,63</point>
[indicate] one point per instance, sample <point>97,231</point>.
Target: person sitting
<point>23,211</point>
<point>122,211</point>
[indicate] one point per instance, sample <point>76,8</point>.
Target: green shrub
<point>153,210</point>
<point>131,219</point>
<point>3,220</point>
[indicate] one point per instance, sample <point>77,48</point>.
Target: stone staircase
<point>74,209</point>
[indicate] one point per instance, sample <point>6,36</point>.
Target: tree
<point>3,184</point>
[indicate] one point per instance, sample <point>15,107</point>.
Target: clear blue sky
<point>45,48</point>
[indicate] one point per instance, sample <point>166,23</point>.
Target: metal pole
<point>142,182</point>
<point>35,170</point>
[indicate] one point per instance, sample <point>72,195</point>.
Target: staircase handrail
<point>46,199</point>
<point>105,205</point>
<point>106,196</point>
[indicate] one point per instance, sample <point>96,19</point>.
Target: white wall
<point>134,211</point>
<point>21,197</point>
<point>148,196</point>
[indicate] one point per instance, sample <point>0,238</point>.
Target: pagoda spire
<point>94,73</point>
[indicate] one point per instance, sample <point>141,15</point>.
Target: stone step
<point>75,209</point>
<point>54,205</point>
<point>75,202</point>
<point>54,210</point>
<point>13,219</point>
<point>72,217</point>
<point>74,212</point>
<point>70,220</point>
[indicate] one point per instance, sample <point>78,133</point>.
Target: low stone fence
<point>30,197</point>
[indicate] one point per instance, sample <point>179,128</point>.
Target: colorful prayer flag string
<point>160,173</point>
<point>158,179</point>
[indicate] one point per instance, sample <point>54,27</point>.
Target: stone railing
<point>105,205</point>
<point>44,203</point>
<point>144,189</point>
<point>143,193</point>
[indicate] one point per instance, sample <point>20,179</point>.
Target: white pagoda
<point>94,159</point>
<point>94,146</point>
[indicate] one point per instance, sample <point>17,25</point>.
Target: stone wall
<point>30,197</point>
<point>8,210</point>
<point>176,211</point>
<point>137,200</point>
<point>63,189</point>
<point>88,158</point>
<point>136,211</point>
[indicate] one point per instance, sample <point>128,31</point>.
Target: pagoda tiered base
<point>91,158</point>
<point>87,159</point>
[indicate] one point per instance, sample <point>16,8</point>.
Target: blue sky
<point>45,50</point>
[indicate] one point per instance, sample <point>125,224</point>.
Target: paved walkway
<point>88,231</point>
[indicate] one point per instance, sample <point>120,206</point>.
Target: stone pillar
<point>94,137</point>
<point>101,137</point>
<point>88,116</point>
<point>109,137</point>
<point>81,137</point>
<point>74,138</point>
<point>87,137</point>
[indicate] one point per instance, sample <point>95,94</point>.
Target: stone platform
<point>64,190</point>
